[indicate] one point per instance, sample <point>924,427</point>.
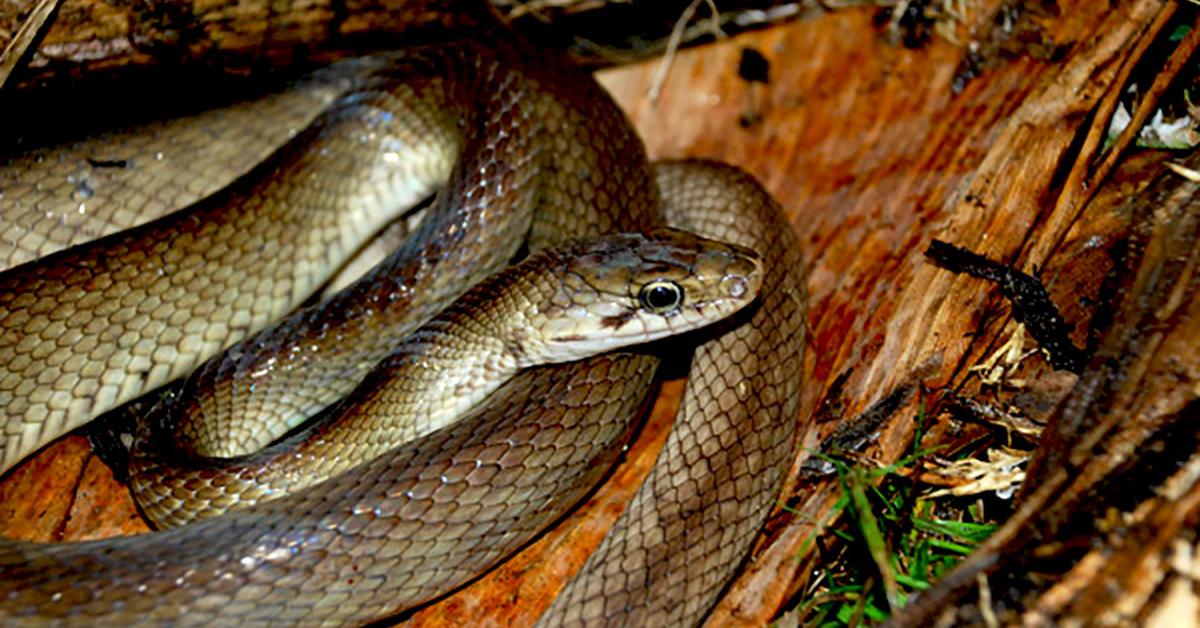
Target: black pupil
<point>661,296</point>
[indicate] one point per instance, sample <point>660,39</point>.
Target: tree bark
<point>96,37</point>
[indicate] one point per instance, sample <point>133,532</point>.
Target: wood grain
<point>872,155</point>
<point>97,36</point>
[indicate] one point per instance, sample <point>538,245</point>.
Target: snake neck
<point>436,375</point>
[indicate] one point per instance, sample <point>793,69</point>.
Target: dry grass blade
<point>26,35</point>
<point>1001,473</point>
<point>664,65</point>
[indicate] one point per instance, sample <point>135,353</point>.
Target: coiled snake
<point>524,142</point>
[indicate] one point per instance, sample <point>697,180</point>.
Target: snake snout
<point>743,276</point>
<point>633,288</point>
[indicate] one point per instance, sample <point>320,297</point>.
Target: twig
<point>1083,179</point>
<point>1030,302</point>
<point>26,35</point>
<point>898,11</point>
<point>568,6</point>
<point>1162,79</point>
<point>985,602</point>
<point>664,66</point>
<point>714,20</point>
<point>1184,171</point>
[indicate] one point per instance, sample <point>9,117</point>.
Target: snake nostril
<point>734,287</point>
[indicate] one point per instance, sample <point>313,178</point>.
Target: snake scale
<point>513,127</point>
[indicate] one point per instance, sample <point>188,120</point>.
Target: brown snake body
<point>432,514</point>
<point>559,305</point>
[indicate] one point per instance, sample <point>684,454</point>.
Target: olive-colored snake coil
<point>523,142</point>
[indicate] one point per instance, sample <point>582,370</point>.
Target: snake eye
<point>661,296</point>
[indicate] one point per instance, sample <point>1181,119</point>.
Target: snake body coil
<point>431,514</point>
<point>559,305</point>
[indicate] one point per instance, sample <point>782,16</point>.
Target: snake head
<point>625,289</point>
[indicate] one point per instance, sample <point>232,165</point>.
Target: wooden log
<point>872,154</point>
<point>88,37</point>
<point>1124,441</point>
<point>103,40</point>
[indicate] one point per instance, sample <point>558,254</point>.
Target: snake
<point>428,515</point>
<point>560,305</point>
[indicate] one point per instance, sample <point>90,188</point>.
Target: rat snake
<point>523,142</point>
